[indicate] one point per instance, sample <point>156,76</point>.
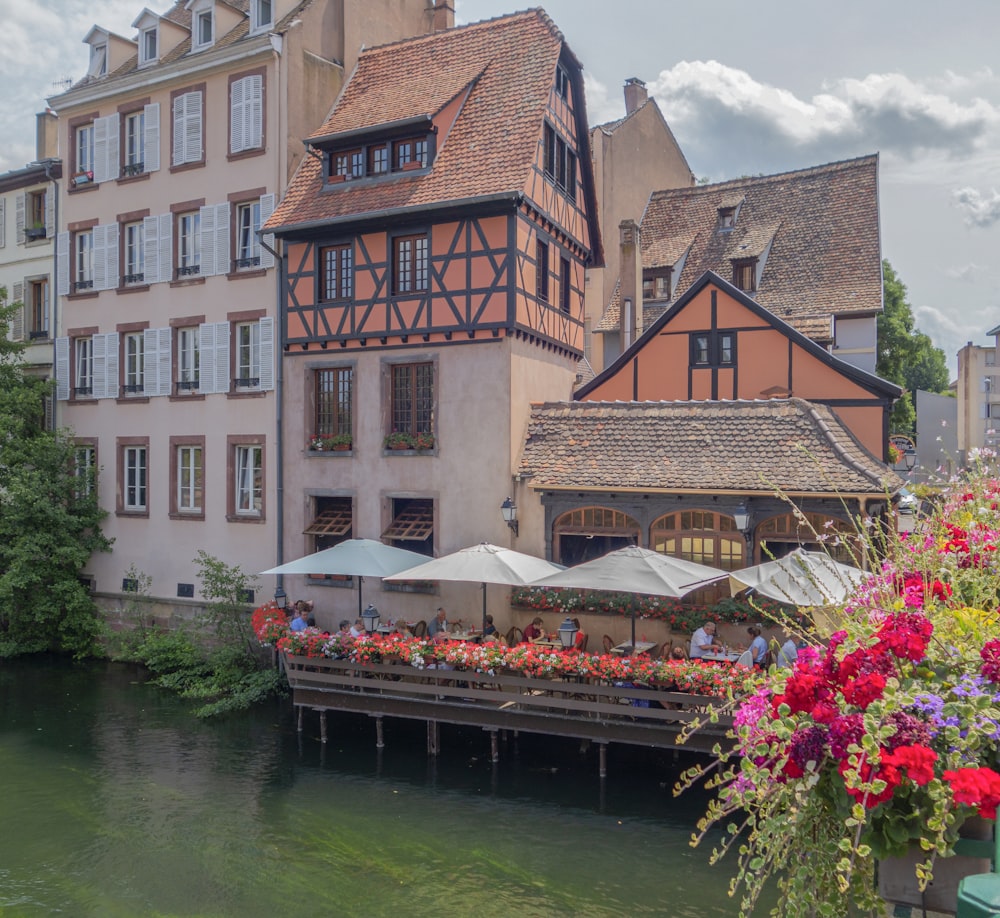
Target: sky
<point>748,89</point>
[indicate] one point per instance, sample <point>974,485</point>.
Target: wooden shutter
<point>112,166</point>
<point>50,213</point>
<point>98,350</point>
<point>166,248</point>
<point>156,361</point>
<point>106,132</point>
<point>62,265</point>
<point>111,275</point>
<point>111,365</point>
<point>246,114</point>
<point>206,229</point>
<point>62,368</point>
<point>151,125</point>
<point>177,152</point>
<point>222,237</point>
<point>99,255</point>
<point>213,343</point>
<point>237,116</point>
<point>187,128</point>
<point>17,320</point>
<point>255,112</point>
<point>19,217</point>
<point>214,229</point>
<point>267,353</point>
<point>151,249</point>
<point>266,209</point>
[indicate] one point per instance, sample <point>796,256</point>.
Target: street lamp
<point>567,633</point>
<point>509,511</point>
<point>370,617</point>
<point>910,459</point>
<point>741,516</point>
<point>280,596</point>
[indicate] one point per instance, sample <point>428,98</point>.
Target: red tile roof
<point>507,65</point>
<point>747,446</point>
<point>822,226</point>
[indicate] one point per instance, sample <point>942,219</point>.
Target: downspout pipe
<point>279,445</point>
<point>54,283</point>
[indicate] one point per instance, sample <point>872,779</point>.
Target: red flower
<point>864,690</point>
<point>885,771</point>
<point>991,661</point>
<point>976,787</point>
<point>916,761</point>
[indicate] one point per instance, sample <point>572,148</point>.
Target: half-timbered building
<point>436,238</point>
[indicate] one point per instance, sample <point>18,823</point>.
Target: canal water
<point>117,802</point>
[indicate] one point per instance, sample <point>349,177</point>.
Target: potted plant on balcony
<point>37,231</point>
<point>881,742</point>
<point>317,442</point>
<point>423,440</point>
<point>339,442</point>
<point>398,439</point>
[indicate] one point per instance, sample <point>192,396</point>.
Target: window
<point>188,359</point>
<point>727,218</point>
<point>135,363</point>
<point>246,113</point>
<point>562,82</point>
<point>745,274</point>
<point>203,30</point>
<point>134,258</point>
<point>190,479</point>
<point>38,308</point>
<point>564,285</point>
<point>560,161</point>
<point>337,277</point>
<point>147,46</point>
<point>331,524</point>
<point>261,14</point>
<point>413,524</point>
<point>249,481</point>
<point>378,159</point>
<point>656,284</point>
<point>188,244</point>
<point>85,468</point>
<point>98,61</point>
<point>188,114</point>
<point>410,260</point>
<point>247,241</point>
<point>135,143</point>
<point>349,163</point>
<point>85,151</point>
<point>83,260</point>
<point>713,349</point>
<point>334,397</point>
<point>410,153</point>
<point>412,398</point>
<point>702,537</point>
<point>134,478</point>
<point>542,270</point>
<point>247,355</point>
<point>32,218</point>
<point>83,366</point>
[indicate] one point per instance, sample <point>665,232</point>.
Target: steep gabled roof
<point>818,227</point>
<point>501,71</point>
<point>746,446</point>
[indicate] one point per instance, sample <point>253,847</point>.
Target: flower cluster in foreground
<point>271,627</point>
<point>882,737</point>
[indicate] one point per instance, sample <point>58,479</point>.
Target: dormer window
<point>656,283</point>
<point>148,44</point>
<point>562,82</point>
<point>203,33</point>
<point>378,159</point>
<point>348,163</point>
<point>727,218</point>
<point>745,274</point>
<point>98,61</point>
<point>261,15</point>
<point>382,158</point>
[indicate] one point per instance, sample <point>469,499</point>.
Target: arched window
<point>701,536</point>
<point>783,533</point>
<point>589,532</point>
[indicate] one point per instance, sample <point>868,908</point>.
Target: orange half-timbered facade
<point>435,241</point>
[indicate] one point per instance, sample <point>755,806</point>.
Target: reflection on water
<point>118,802</point>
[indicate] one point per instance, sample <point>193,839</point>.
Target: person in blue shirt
<point>758,646</point>
<point>299,622</point>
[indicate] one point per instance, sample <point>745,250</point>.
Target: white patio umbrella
<point>801,578</point>
<point>483,563</point>
<point>638,571</point>
<point>353,558</point>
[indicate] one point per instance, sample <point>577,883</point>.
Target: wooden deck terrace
<point>599,713</point>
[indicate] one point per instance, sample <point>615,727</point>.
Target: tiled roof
<point>610,321</point>
<point>506,65</point>
<point>749,446</point>
<point>822,225</point>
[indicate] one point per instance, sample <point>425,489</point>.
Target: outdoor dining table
<point>550,645</point>
<point>729,657</point>
<point>626,649</point>
<point>465,636</point>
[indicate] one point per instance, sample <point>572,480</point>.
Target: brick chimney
<point>444,16</point>
<point>635,94</point>
<point>630,285</point>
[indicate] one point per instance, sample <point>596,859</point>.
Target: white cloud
<point>967,274</point>
<point>980,209</point>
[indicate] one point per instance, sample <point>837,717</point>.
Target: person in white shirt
<point>358,628</point>
<point>703,641</point>
<point>438,628</point>
<point>788,654</point>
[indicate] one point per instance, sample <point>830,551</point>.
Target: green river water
<point>117,802</point>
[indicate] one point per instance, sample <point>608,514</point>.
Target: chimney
<point>46,136</point>
<point>630,285</point>
<point>635,95</point>
<point>443,13</point>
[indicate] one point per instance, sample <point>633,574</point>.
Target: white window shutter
<point>151,358</point>
<point>111,256</point>
<point>100,150</point>
<point>151,249</point>
<point>3,222</point>
<point>113,166</point>
<point>166,248</point>
<point>206,229</point>
<point>62,264</point>
<point>221,366</point>
<point>267,353</point>
<point>151,122</point>
<point>160,368</point>
<point>19,217</point>
<point>98,344</point>
<point>222,236</point>
<point>180,107</point>
<point>111,366</point>
<point>237,116</point>
<point>17,320</point>
<point>62,369</point>
<point>192,127</point>
<point>266,209</point>
<point>255,113</point>
<point>50,213</point>
<point>206,358</point>
<point>100,235</point>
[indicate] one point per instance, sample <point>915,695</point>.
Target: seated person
<point>580,641</point>
<point>299,622</point>
<point>534,632</point>
<point>678,655</point>
<point>788,654</point>
<point>490,629</point>
<point>400,627</point>
<point>358,628</point>
<point>703,641</point>
<point>438,628</point>
<point>758,646</point>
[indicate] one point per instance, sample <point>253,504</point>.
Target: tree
<point>49,517</point>
<point>906,356</point>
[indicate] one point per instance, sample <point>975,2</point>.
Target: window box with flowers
<point>401,440</point>
<point>880,742</point>
<point>331,442</point>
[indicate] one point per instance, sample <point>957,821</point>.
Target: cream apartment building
<point>176,146</point>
